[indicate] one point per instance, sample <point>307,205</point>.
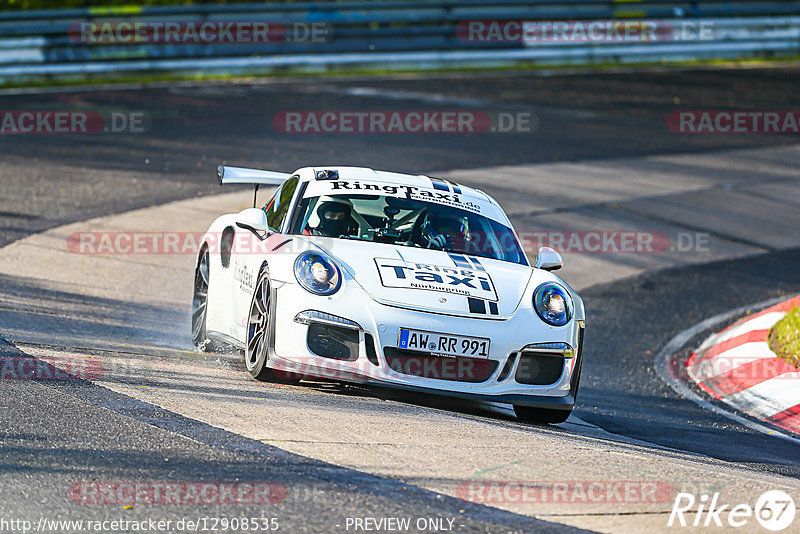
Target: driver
<point>444,231</point>
<point>335,218</point>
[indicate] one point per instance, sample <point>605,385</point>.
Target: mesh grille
<point>507,367</point>
<point>438,367</point>
<point>576,372</point>
<point>333,342</point>
<point>540,369</point>
<point>369,344</point>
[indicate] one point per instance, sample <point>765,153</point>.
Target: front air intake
<point>426,365</point>
<point>333,342</point>
<point>507,367</point>
<point>539,368</point>
<point>369,345</point>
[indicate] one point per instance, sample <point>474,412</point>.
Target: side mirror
<point>548,259</point>
<point>253,219</point>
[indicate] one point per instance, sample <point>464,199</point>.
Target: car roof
<point>395,178</point>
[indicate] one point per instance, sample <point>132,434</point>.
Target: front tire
<point>258,330</point>
<point>541,416</point>
<point>256,352</point>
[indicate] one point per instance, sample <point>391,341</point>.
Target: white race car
<point>390,279</point>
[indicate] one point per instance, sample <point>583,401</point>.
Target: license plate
<point>443,344</point>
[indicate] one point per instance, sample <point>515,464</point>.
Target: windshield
<point>406,222</point>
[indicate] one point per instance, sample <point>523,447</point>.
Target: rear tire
<point>541,415</point>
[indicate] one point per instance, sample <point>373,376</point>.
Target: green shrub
<point>784,337</point>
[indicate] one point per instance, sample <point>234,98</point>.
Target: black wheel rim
<point>257,325</point>
<point>200,300</point>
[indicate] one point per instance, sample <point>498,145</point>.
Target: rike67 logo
<point>774,510</point>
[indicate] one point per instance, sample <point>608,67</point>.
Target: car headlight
<point>317,273</point>
<point>553,304</point>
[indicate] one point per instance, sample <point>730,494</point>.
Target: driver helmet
<point>444,228</point>
<point>334,216</point>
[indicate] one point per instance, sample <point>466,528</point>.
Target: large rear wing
<point>257,177</point>
<point>241,175</point>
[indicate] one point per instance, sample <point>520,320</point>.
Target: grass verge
<point>784,337</point>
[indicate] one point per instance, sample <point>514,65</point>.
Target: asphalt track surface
<point>52,179</point>
<point>622,392</point>
<point>57,432</point>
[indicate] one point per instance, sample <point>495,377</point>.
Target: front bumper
<point>379,324</point>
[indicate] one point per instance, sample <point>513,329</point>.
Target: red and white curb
<point>737,367</point>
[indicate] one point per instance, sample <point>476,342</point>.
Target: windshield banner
<point>447,197</point>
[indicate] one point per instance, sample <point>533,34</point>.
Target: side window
<point>278,207</point>
<point>226,246</point>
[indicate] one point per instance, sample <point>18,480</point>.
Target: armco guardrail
<point>321,36</point>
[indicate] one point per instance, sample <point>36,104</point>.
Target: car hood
<point>431,280</point>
